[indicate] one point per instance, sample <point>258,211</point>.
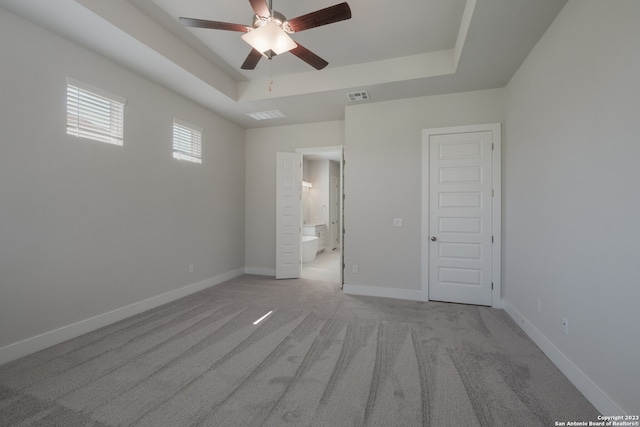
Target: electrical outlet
<point>190,268</point>
<point>397,222</point>
<point>354,269</point>
<point>539,306</point>
<point>565,326</point>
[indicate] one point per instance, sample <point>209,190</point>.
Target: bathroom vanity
<point>318,230</point>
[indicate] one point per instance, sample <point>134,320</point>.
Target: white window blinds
<point>187,142</point>
<point>94,113</point>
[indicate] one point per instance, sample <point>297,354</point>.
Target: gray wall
<point>261,148</point>
<point>383,181</point>
<point>572,193</point>
<point>319,193</point>
<point>87,227</point>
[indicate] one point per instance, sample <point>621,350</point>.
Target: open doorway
<point>322,213</point>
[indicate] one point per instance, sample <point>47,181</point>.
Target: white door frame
<point>333,149</point>
<point>496,249</point>
<point>334,211</point>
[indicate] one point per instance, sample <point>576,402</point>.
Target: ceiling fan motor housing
<point>280,19</point>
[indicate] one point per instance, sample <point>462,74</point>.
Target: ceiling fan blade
<point>309,57</point>
<point>252,60</point>
<point>260,7</point>
<point>214,25</point>
<point>329,15</point>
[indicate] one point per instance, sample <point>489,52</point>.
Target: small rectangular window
<point>187,141</point>
<point>94,113</point>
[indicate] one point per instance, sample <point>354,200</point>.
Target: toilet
<point>309,248</point>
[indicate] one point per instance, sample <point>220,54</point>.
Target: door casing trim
<point>496,249</point>
<point>341,150</point>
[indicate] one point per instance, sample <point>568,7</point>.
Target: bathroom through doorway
<point>322,213</point>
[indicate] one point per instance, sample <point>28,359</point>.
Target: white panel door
<point>460,217</point>
<point>288,215</point>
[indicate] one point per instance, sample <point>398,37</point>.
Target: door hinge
<point>491,285</point>
<point>493,193</point>
<point>493,146</point>
<point>491,239</point>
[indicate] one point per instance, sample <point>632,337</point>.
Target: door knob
<point>433,238</point>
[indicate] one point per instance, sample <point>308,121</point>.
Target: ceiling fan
<point>269,33</point>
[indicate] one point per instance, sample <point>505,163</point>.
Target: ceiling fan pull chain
<point>270,74</point>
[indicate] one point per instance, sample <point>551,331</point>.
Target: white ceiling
<point>393,49</point>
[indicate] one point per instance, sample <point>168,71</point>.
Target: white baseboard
<point>588,388</point>
<point>258,271</point>
<point>376,291</point>
<point>56,336</point>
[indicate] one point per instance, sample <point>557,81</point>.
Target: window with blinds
<point>94,113</point>
<point>187,141</point>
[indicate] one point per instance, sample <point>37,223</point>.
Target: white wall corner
<point>39,342</point>
<point>582,382</point>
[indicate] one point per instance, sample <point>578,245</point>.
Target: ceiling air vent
<point>267,115</point>
<point>358,96</point>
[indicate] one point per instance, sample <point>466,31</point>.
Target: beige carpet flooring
<point>321,358</point>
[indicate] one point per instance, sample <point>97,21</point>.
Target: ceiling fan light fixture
<point>269,34</point>
<point>270,37</point>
